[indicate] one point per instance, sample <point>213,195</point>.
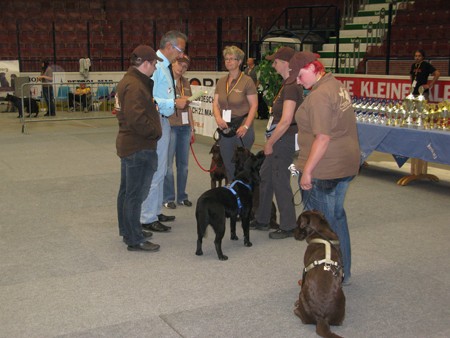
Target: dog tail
<point>323,329</point>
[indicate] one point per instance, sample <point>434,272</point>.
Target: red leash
<point>198,163</point>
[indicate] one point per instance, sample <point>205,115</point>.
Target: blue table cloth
<point>427,145</point>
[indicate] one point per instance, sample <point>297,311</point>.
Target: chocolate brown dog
<point>217,169</point>
<point>321,300</point>
<point>216,205</point>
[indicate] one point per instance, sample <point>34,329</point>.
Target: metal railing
<point>98,103</point>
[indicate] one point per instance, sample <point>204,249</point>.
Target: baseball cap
<point>298,61</point>
<point>284,53</point>
<point>145,53</point>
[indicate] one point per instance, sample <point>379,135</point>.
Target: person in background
<point>181,135</point>
<point>81,96</point>
<point>139,132</point>
<point>3,80</point>
<point>420,71</point>
<point>329,154</point>
<point>172,46</point>
<point>279,150</point>
<point>235,103</point>
<point>47,87</point>
<point>252,71</point>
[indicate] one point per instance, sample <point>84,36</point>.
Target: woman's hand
<point>221,123</point>
<point>242,130</point>
<point>268,149</point>
<point>306,182</point>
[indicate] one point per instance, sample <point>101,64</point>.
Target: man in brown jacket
<point>139,131</point>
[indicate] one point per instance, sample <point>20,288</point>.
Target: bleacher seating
<point>74,20</point>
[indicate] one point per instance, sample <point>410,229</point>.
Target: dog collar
<point>327,261</point>
<point>230,187</point>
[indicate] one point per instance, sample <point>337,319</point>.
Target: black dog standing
<point>216,205</point>
<point>30,104</point>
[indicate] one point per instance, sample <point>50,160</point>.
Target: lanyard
<point>278,94</point>
<point>230,90</point>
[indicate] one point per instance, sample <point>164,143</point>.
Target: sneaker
<point>280,234</point>
<point>170,205</point>
<point>186,203</point>
<point>255,225</point>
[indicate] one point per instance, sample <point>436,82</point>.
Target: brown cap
<point>184,59</point>
<point>298,61</point>
<point>145,53</point>
<point>284,53</point>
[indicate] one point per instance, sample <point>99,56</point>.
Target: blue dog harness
<point>238,200</point>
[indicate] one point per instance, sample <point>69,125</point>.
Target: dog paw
<point>199,252</point>
<point>234,237</point>
<point>248,243</point>
<point>223,258</point>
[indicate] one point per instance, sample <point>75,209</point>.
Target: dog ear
<point>305,218</point>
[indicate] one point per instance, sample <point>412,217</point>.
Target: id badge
<point>269,123</point>
<point>226,115</point>
<point>184,117</point>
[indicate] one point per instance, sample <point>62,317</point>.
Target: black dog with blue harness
<point>216,205</point>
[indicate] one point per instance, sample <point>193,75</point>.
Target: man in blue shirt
<point>172,46</point>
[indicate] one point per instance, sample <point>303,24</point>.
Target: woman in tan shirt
<point>235,105</point>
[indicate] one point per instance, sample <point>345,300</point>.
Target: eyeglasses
<point>230,59</point>
<point>177,48</point>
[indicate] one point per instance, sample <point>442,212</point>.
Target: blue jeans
<point>136,175</point>
<point>180,137</point>
<point>151,207</point>
<point>49,99</point>
<point>327,196</point>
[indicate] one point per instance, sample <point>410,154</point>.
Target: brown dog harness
<point>327,261</point>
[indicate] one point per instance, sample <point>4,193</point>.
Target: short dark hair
<point>421,51</point>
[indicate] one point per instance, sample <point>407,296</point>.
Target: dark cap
<point>284,53</point>
<point>184,59</point>
<point>298,61</point>
<point>145,53</point>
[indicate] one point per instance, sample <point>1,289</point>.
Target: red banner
<point>392,88</point>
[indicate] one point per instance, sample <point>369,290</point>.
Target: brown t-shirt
<point>236,97</point>
<point>290,91</point>
<point>328,110</point>
<point>183,88</point>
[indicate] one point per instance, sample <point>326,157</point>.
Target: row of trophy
<point>413,112</point>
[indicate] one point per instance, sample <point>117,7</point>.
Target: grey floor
<point>66,273</point>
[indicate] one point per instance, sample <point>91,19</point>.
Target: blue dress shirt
<point>163,90</point>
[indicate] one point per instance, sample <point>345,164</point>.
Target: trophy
<point>429,117</point>
<point>382,113</point>
<point>444,117</point>
<point>409,103</point>
<point>390,115</point>
<point>419,111</point>
<point>400,116</point>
